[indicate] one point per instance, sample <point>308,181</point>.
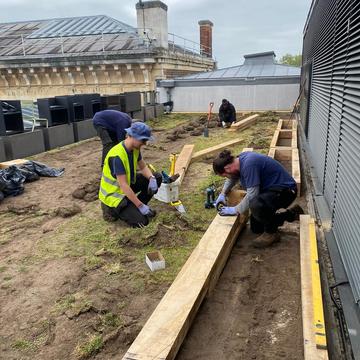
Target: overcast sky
<point>240,26</point>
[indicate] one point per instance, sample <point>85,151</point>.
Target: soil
<point>54,298</point>
<point>255,310</point>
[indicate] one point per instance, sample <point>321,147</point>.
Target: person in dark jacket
<point>268,187</point>
<point>110,125</point>
<point>227,113</point>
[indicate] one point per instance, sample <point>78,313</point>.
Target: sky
<point>240,26</point>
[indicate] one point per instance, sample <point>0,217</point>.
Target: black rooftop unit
<point>11,120</point>
<point>50,109</point>
<point>130,101</point>
<point>74,106</point>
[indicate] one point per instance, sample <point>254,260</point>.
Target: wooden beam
<point>296,174</point>
<point>287,124</point>
<point>183,161</point>
<point>243,124</point>
<point>284,138</point>
<point>213,149</point>
<point>165,330</point>
<point>17,162</point>
<point>289,158</point>
<point>311,300</point>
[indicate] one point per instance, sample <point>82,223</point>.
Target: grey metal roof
<point>83,25</point>
<point>255,66</point>
<point>65,36</point>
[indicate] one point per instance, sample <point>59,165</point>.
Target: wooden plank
<point>243,124</point>
<point>284,138</point>
<point>274,139</point>
<point>296,174</point>
<point>287,156</point>
<point>311,351</point>
<point>247,149</point>
<point>17,162</point>
<point>281,154</point>
<point>211,150</point>
<point>165,330</point>
<point>183,161</point>
<point>287,124</point>
<point>318,319</point>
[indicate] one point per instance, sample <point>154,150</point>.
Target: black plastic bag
<point>42,169</point>
<point>12,181</point>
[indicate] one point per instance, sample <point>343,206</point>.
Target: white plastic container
<point>155,261</point>
<point>168,192</point>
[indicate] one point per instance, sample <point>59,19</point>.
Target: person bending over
<point>268,187</point>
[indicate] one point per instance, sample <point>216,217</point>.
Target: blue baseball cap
<point>140,131</point>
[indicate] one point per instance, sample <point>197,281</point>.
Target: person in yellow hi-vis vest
<point>124,193</point>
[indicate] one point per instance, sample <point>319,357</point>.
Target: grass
<point>23,345</point>
<point>166,122</point>
<point>89,347</point>
<point>66,303</point>
<point>111,320</point>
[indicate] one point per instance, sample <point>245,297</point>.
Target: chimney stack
<point>206,37</point>
<point>152,18</point>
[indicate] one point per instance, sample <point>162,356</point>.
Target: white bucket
<point>168,192</point>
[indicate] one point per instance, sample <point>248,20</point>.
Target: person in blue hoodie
<point>269,187</point>
<point>110,125</point>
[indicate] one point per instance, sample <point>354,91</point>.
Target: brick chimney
<point>206,37</point>
<point>152,17</point>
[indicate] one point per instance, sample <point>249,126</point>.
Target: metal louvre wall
<point>332,45</point>
<point>336,100</point>
<point>346,222</point>
<point>321,56</point>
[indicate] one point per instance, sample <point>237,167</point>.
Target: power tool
<point>210,197</point>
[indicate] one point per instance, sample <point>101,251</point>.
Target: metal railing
<point>115,43</point>
<point>180,44</point>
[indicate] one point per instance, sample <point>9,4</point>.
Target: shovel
<point>206,128</point>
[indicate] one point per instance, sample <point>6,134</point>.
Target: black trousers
<point>264,217</point>
<point>108,140</point>
<point>126,210</point>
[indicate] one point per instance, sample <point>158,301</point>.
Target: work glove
<point>153,187</point>
<point>228,211</point>
<point>146,211</point>
<point>221,199</point>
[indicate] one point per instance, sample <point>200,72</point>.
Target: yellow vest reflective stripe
<point>110,192</point>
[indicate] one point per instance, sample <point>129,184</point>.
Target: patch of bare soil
<point>255,310</point>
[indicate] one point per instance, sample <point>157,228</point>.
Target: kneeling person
<point>268,187</point>
<point>120,181</point>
